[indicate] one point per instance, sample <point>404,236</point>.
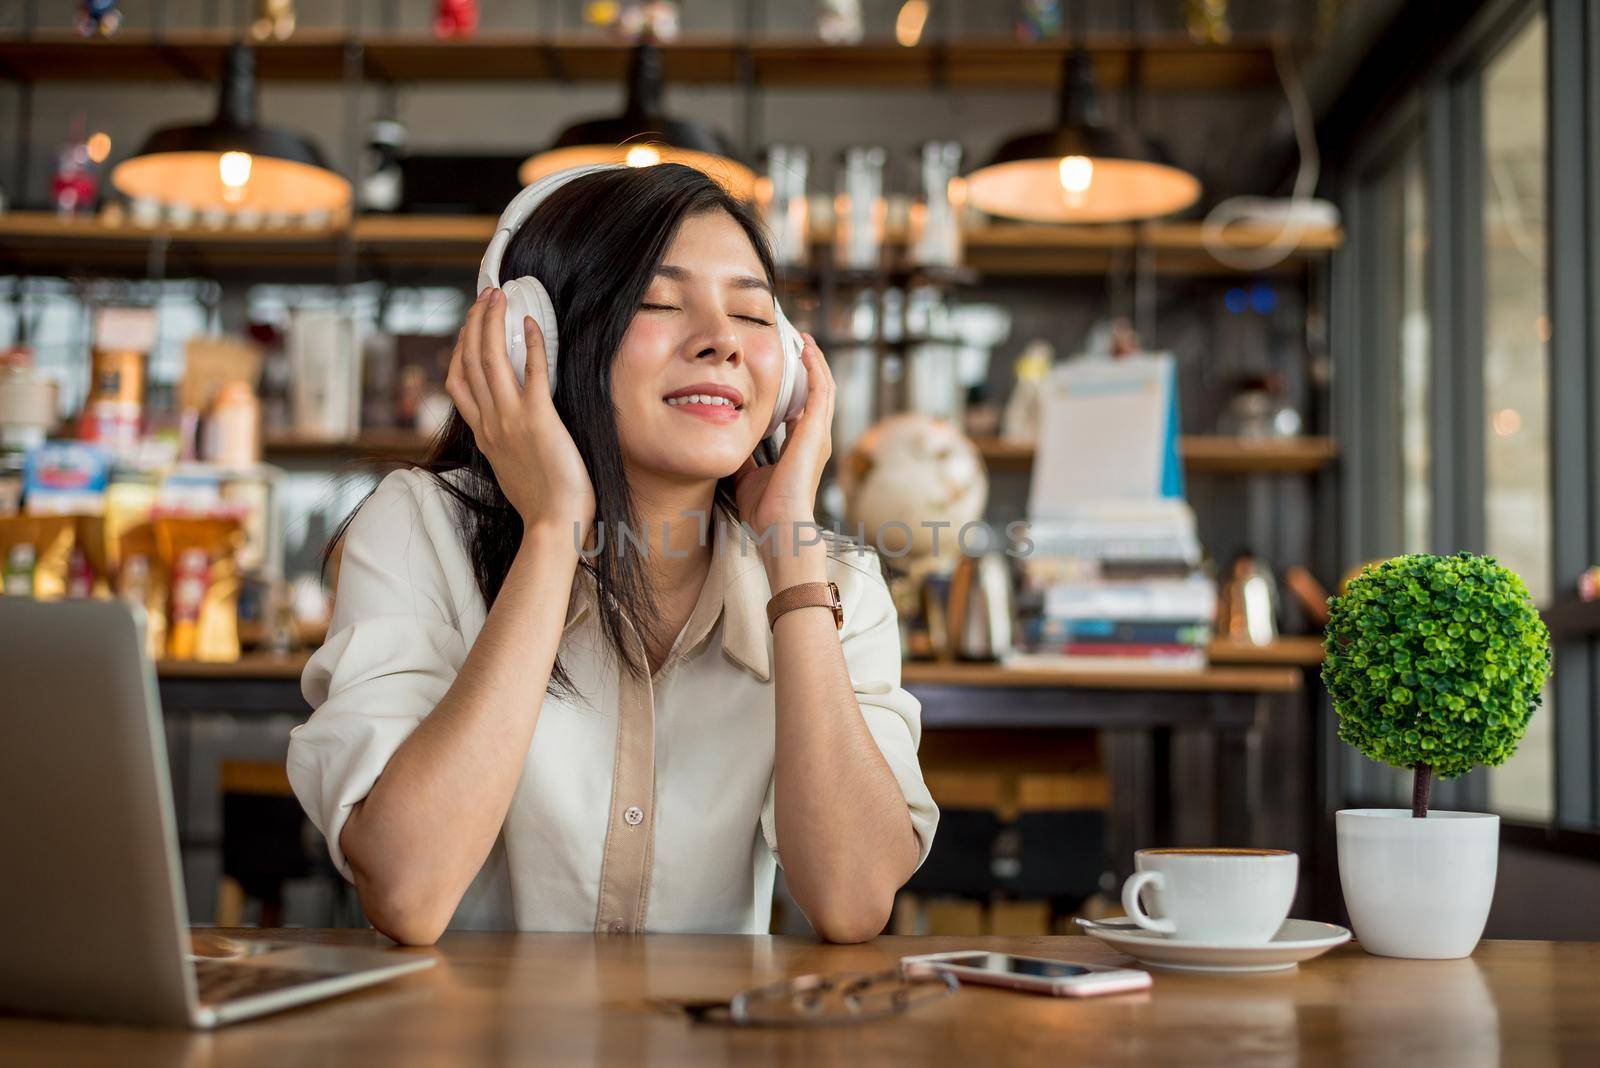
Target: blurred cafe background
<point>1203,303</point>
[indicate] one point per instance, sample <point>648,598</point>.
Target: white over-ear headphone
<point>527,296</point>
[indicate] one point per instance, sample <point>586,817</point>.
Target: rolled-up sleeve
<point>394,647</point>
<point>871,641</point>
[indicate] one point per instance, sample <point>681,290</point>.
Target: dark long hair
<point>595,244</point>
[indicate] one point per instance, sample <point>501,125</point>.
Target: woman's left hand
<point>784,495</point>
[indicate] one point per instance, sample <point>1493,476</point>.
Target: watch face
<point>837,606</point>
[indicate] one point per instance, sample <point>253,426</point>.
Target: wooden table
<point>1208,788</point>
<point>577,1000</point>
<point>1183,749</point>
<point>1136,711</point>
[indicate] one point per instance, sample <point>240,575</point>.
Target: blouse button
<point>634,815</point>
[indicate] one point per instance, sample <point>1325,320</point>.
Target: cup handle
<point>1135,911</point>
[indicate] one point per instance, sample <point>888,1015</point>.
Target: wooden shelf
<point>372,444</point>
<point>1166,63</point>
<point>1204,455</point>
<point>1176,248</point>
<point>1200,455</point>
<point>253,635</point>
<point>1570,618</point>
<point>1004,454</point>
<point>251,666</point>
<point>447,245</point>
<point>48,226</point>
<point>39,242</point>
<point>1288,456</point>
<point>1258,679</point>
<point>1302,651</point>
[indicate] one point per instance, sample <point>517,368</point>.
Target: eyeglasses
<point>823,999</point>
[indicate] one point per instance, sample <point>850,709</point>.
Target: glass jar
<point>781,197</point>
<point>934,239</point>
<point>859,209</point>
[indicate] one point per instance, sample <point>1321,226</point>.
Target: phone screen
<point>1009,965</point>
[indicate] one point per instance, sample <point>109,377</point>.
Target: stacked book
<point>1116,586</point>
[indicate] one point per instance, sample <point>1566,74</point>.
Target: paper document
<point>1108,429</point>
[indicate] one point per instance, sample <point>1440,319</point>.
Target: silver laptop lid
<point>92,920</point>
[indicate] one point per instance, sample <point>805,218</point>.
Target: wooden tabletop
<point>1210,679</point>
<point>576,1000</point>
<point>1264,677</point>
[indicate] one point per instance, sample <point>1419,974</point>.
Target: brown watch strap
<point>806,595</point>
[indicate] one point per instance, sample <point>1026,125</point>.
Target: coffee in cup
<point>1239,896</point>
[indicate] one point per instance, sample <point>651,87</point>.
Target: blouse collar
<point>735,591</point>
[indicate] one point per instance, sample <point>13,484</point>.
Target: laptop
<point>92,915</point>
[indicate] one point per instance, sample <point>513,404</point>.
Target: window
<point>1466,414</point>
<point>1516,330</point>
<point>1412,346</point>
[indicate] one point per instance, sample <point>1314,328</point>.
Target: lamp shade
<point>644,135</point>
<point>1080,170</point>
<point>231,163</point>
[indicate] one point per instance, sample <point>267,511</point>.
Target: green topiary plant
<point>1435,663</point>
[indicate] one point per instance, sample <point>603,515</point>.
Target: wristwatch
<point>807,595</point>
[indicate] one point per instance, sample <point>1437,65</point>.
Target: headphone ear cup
<point>526,296</point>
<point>792,386</point>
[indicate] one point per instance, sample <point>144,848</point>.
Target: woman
<point>523,719</point>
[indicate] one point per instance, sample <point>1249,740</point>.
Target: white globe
<point>914,471</point>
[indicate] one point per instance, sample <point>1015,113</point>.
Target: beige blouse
<point>643,804</point>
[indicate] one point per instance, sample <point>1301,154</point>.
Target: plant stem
<point>1421,787</point>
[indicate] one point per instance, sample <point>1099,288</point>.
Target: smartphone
<point>1060,978</point>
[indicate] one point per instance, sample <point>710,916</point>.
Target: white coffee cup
<point>1238,896</point>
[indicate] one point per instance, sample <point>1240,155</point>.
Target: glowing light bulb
<point>643,156</point>
<point>1077,173</point>
<point>908,25</point>
<point>234,170</point>
<point>99,146</point>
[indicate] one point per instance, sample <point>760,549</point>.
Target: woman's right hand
<point>517,429</point>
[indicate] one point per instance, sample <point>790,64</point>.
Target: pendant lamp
<point>1080,170</point>
<point>644,135</point>
<point>231,163</point>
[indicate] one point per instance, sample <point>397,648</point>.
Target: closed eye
<point>670,307</point>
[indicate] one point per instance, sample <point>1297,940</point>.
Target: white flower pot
<point>1417,888</point>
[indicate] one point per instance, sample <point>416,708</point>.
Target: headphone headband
<point>517,212</point>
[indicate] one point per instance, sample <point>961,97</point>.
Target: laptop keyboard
<point>221,980</point>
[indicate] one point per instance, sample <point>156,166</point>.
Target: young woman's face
<point>696,378</point>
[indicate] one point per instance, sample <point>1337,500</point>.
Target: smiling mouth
<point>717,409</point>
<point>705,399</point>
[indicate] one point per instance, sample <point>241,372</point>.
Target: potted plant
<point>1434,663</point>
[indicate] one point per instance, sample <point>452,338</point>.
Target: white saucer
<point>1296,940</point>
